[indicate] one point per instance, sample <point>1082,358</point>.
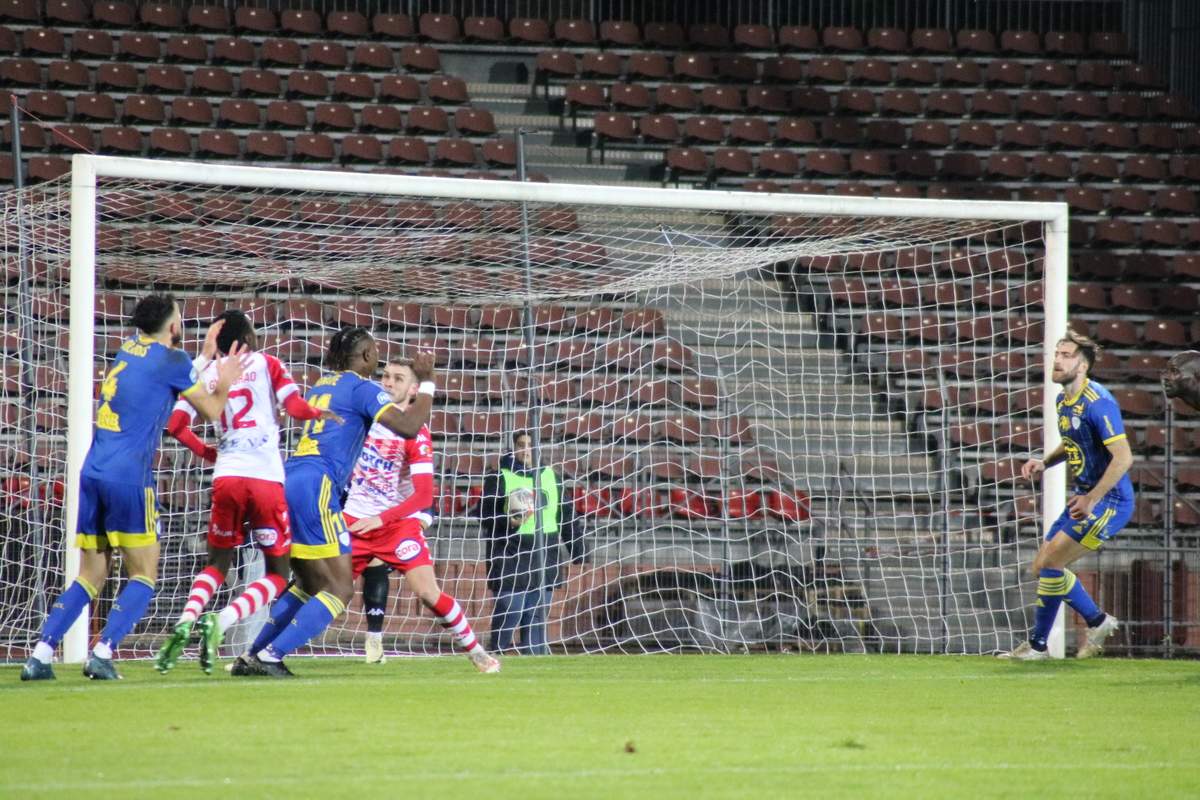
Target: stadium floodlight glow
<point>852,376</point>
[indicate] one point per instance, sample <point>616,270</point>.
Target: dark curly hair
<point>237,328</point>
<point>152,312</point>
<point>342,347</point>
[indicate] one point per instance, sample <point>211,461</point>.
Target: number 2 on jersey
<point>239,420</point>
<point>308,446</point>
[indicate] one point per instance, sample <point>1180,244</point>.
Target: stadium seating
<point>965,113</point>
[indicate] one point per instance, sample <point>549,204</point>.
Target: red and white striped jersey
<point>249,423</point>
<point>382,477</point>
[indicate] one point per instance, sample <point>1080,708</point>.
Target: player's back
<point>333,446</point>
<point>136,397</point>
<point>249,423</point>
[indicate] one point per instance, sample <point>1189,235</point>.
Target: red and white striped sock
<point>258,595</point>
<point>454,620</point>
<point>203,587</point>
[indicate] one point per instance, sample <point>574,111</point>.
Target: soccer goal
<point>783,422</point>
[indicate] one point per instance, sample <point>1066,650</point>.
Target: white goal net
<point>780,422</point>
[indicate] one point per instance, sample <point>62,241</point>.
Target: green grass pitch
<point>611,727</point>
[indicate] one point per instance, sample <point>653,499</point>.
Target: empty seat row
<point>580,32</point>
<point>673,97</point>
<point>1097,297</point>
<point>234,51</point>
<point>207,18</point>
<point>49,108</point>
<point>849,131</point>
<point>919,164</point>
<point>216,81</point>
<point>701,67</point>
<point>1101,265</point>
<point>268,146</point>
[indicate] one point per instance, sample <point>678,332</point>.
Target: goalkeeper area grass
<point>612,726</point>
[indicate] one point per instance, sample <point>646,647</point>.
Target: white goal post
<point>87,171</point>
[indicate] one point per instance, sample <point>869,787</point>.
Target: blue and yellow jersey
<point>332,446</point>
<point>1088,423</point>
<point>136,397</point>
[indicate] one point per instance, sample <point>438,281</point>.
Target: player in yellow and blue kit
<point>117,509</point>
<point>1097,454</point>
<point>316,476</point>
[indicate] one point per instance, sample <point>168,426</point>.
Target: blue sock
<point>282,611</point>
<point>1052,587</point>
<point>310,620</point>
<point>66,610</point>
<point>1078,598</point>
<point>129,607</point>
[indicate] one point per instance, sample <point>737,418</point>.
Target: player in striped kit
<point>391,486</point>
<point>247,487</point>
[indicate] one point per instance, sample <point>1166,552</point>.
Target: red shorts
<point>240,503</point>
<point>400,545</point>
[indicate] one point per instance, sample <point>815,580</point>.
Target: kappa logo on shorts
<point>266,536</point>
<point>408,550</point>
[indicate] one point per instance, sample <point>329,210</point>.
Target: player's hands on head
<point>232,367</point>
<point>422,366</point>
<point>1032,469</point>
<point>1080,506</point>
<point>366,524</point>
<point>209,349</point>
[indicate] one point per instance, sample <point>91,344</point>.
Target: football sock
<point>374,594</point>
<point>258,594</point>
<point>1052,588</point>
<point>454,620</point>
<point>129,607</point>
<point>203,587</point>
<point>63,613</point>
<point>1078,598</point>
<point>282,611</point>
<point>312,618</point>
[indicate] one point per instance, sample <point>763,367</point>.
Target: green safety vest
<point>549,513</point>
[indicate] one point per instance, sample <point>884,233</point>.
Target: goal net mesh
<point>774,432</point>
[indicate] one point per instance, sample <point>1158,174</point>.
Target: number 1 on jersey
<point>307,446</point>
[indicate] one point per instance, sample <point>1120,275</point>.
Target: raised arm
<point>407,423</point>
<point>210,404</point>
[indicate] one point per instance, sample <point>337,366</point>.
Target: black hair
<point>1088,347</point>
<point>237,328</point>
<point>152,312</point>
<point>518,434</point>
<point>343,346</point>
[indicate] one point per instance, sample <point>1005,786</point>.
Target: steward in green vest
<point>511,539</point>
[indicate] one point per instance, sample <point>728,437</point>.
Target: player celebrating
<point>391,485</point>
<point>1181,378</point>
<point>315,475</point>
<point>247,487</point>
<point>1098,456</point>
<point>117,509</point>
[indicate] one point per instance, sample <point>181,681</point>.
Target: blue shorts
<point>315,513</point>
<point>115,515</point>
<point>1106,521</point>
